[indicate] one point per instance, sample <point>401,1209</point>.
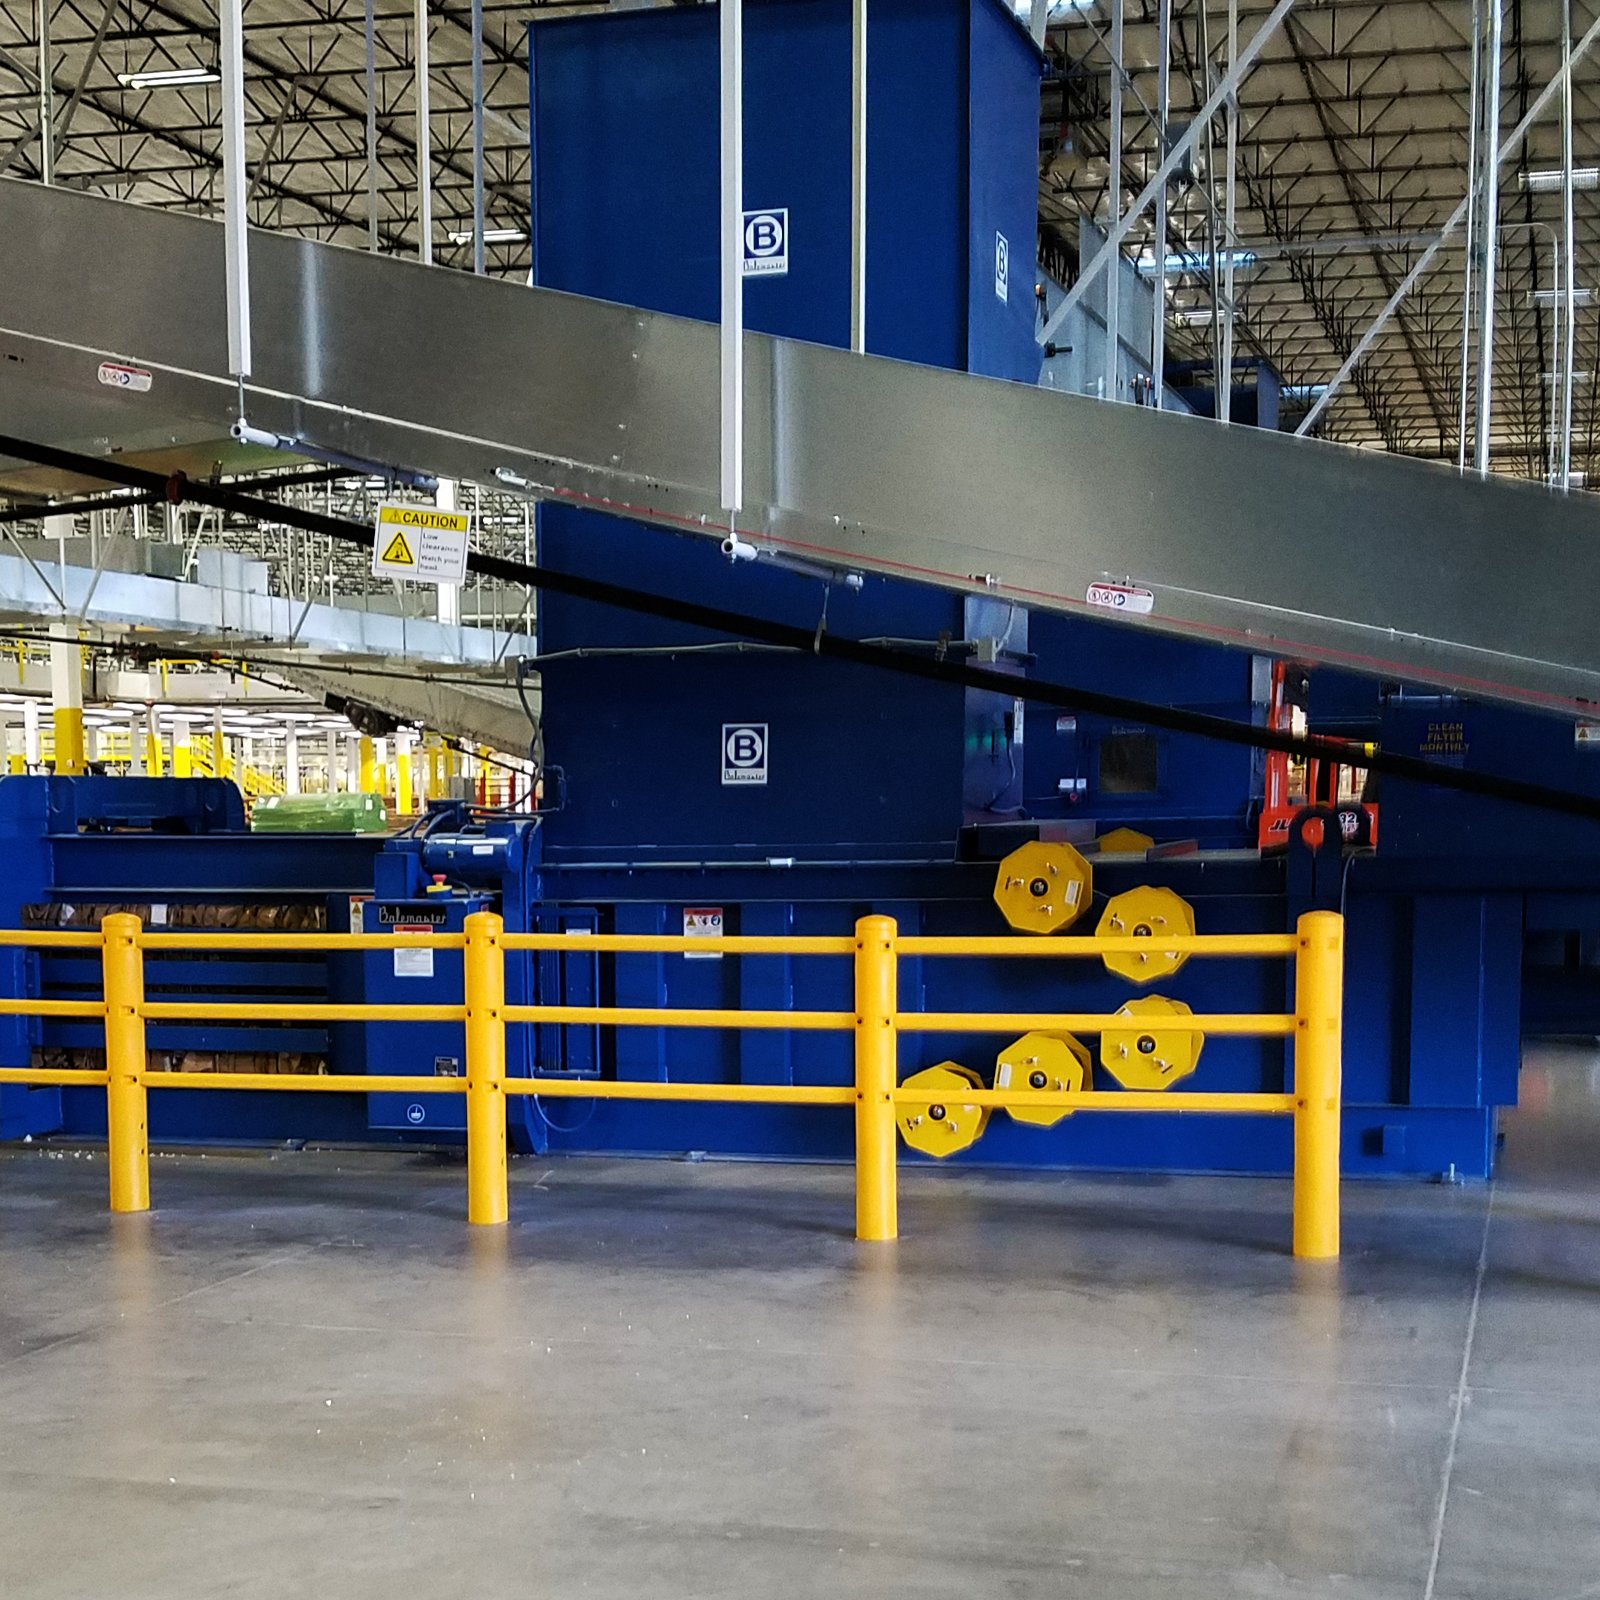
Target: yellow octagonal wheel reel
<point>945,1127</point>
<point>1146,913</point>
<point>1149,1053</point>
<point>1045,1061</point>
<point>1043,887</point>
<point>1124,842</point>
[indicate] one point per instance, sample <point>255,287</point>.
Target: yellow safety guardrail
<point>1316,947</point>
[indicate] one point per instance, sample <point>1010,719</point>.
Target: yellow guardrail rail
<point>1315,1024</point>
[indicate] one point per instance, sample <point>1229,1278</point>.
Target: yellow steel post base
<point>488,1202</point>
<point>67,723</point>
<point>127,1122</point>
<point>877,1203</point>
<point>1318,1051</point>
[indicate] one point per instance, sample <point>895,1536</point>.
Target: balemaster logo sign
<point>744,752</point>
<point>421,543</point>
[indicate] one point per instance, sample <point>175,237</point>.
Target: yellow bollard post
<point>1318,1051</point>
<point>877,1073</point>
<point>367,770</point>
<point>127,1135</point>
<point>486,1070</point>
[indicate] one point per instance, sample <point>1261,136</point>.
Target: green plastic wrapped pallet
<point>319,813</point>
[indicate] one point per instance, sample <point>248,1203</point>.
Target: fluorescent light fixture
<point>1303,391</point>
<point>168,77</point>
<point>490,235</point>
<point>1550,182</point>
<point>1550,297</point>
<point>1194,261</point>
<point>1579,379</point>
<point>1191,316</point>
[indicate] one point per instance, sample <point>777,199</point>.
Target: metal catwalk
<point>1378,563</point>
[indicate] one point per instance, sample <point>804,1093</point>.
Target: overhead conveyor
<point>1384,565</point>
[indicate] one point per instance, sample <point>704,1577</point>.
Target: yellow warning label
<point>420,544</point>
<point>399,553</point>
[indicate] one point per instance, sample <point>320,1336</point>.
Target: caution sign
<point>420,543</point>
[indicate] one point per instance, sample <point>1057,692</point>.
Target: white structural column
<point>1112,389</point>
<point>1489,222</point>
<point>858,175</point>
<point>730,19</point>
<point>152,739</point>
<point>449,601</point>
<point>424,143</point>
<point>30,733</point>
<point>66,693</point>
<point>352,763</point>
<point>291,760</point>
<point>335,760</point>
<point>405,801</point>
<point>235,189</point>
<point>135,745</point>
<point>182,748</point>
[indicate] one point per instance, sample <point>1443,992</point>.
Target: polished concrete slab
<point>302,1375</point>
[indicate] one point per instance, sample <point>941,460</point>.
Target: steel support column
<point>424,141</point>
<point>1489,222</point>
<point>1112,389</point>
<point>1158,312</point>
<point>234,188</point>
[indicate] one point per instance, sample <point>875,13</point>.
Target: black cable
<point>953,674</point>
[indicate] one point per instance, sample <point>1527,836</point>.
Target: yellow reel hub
<point>945,1127</point>
<point>1043,887</point>
<point>1125,842</point>
<point>1149,1053</point>
<point>1056,1062</point>
<point>1146,913</point>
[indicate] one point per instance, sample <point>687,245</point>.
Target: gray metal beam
<point>861,463</point>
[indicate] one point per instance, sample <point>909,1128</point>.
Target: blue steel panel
<point>766,984</point>
<point>1420,820</point>
<point>1003,144</point>
<point>1466,969</point>
<point>1205,789</point>
<point>624,118</point>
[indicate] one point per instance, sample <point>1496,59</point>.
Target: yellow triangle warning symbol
<point>399,552</point>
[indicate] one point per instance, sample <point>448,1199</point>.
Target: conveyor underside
<point>1380,564</point>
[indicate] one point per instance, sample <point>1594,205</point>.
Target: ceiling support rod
<point>730,24</point>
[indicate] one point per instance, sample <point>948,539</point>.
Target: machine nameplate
<point>412,919</point>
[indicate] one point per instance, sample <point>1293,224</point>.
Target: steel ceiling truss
<point>1353,123</point>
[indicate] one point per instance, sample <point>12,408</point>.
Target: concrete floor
<point>301,1376</point>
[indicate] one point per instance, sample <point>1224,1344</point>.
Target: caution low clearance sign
<point>420,543</point>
